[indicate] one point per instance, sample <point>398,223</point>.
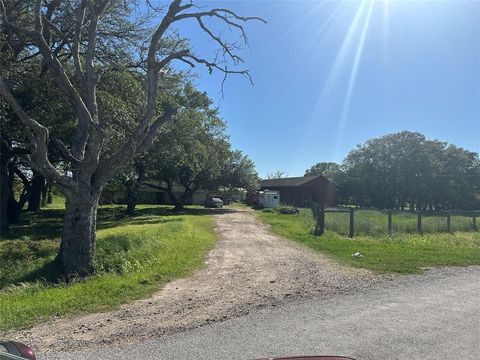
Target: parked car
<point>11,350</point>
<point>214,202</point>
<point>14,350</point>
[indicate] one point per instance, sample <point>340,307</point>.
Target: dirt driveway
<point>248,268</point>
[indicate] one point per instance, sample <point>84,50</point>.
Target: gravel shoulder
<point>430,316</point>
<point>249,268</point>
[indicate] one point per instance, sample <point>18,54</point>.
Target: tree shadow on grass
<point>136,221</point>
<point>50,273</point>
<point>167,211</point>
<point>48,223</point>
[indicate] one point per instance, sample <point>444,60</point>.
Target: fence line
<point>319,212</point>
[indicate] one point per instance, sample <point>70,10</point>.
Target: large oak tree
<point>78,41</point>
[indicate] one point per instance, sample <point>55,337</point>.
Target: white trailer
<point>269,198</point>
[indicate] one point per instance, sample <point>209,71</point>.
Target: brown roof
<point>284,182</point>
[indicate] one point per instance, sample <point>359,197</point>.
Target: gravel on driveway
<point>249,268</point>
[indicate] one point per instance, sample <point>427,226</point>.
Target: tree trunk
<point>15,207</point>
<point>131,207</point>
<point>35,196</point>
<point>133,188</point>
<point>13,211</point>
<point>131,199</point>
<point>49,194</point>
<point>4,195</point>
<point>178,203</point>
<point>79,233</point>
<point>44,194</point>
<point>179,206</point>
<point>187,194</point>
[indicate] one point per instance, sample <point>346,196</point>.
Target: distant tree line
<point>406,170</point>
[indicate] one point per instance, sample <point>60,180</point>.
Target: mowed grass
<point>135,256</point>
<point>400,253</point>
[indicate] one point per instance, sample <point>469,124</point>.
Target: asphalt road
<point>431,316</point>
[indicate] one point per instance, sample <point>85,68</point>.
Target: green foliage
<point>406,170</point>
<point>239,172</point>
<point>120,98</point>
<point>190,148</point>
<point>400,253</point>
<point>328,169</point>
<point>42,99</point>
<point>135,255</point>
<point>194,150</point>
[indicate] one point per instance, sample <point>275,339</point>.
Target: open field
<point>401,253</point>
<point>135,255</point>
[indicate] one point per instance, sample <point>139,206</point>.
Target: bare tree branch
<point>153,186</point>
<point>80,13</point>
<point>95,10</point>
<point>39,153</point>
<point>65,152</point>
<point>137,144</point>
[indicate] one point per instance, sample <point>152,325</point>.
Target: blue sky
<point>330,75</point>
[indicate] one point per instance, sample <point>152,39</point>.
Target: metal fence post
<point>352,222</point>
<point>419,222</point>
<point>390,230</point>
<point>474,220</point>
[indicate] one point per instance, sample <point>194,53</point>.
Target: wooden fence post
<point>449,222</point>
<point>419,222</point>
<point>320,228</point>
<point>474,221</point>
<point>390,230</point>
<point>352,222</point>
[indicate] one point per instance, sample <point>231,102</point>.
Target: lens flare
<point>353,78</point>
<point>342,76</point>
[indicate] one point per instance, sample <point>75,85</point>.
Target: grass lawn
<point>237,205</point>
<point>135,256</point>
<point>400,253</point>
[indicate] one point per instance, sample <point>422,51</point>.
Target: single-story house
<point>299,191</point>
<point>150,195</point>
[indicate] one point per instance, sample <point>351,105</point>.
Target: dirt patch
<point>248,268</point>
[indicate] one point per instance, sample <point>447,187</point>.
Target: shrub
<point>286,210</point>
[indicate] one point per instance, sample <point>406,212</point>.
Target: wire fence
<point>351,221</point>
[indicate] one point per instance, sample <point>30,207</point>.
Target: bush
<point>286,210</point>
